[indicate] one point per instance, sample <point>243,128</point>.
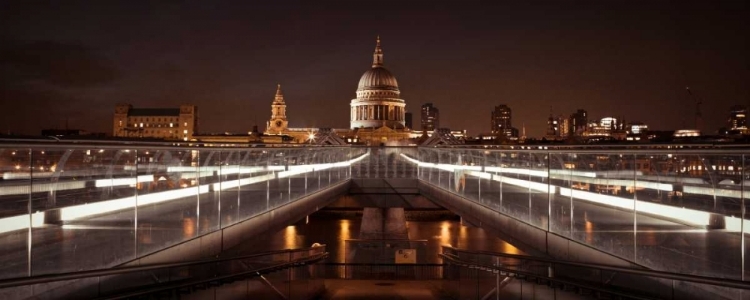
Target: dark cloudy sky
<point>71,60</point>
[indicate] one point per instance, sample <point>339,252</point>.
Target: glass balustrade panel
<point>167,210</point>
<point>16,168</point>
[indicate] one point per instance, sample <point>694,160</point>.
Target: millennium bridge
<point>141,220</point>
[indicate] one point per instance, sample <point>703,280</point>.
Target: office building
<point>501,118</point>
<point>737,118</point>
<point>430,117</point>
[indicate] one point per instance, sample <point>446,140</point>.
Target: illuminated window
<point>171,124</point>
<point>185,124</point>
<point>184,131</point>
<point>141,125</point>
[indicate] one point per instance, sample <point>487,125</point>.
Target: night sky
<point>73,61</point>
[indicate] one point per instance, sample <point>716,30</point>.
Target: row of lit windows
<point>378,93</point>
<point>170,125</point>
<point>145,119</point>
<point>163,131</point>
<point>158,133</point>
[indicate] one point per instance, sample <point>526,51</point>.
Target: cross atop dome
<point>377,57</point>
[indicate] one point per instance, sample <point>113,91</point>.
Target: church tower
<point>278,122</point>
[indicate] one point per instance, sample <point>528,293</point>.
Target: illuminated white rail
<point>681,214</point>
<point>187,173</point>
<point>108,206</point>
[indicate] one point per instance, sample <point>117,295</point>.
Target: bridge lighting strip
<point>225,185</point>
<point>21,222</point>
<point>573,173</point>
<point>621,182</point>
<point>684,215</point>
<point>97,208</point>
<point>537,186</point>
<point>132,181</point>
<point>301,169</point>
<point>589,177</point>
<point>123,181</point>
<point>41,187</point>
<point>517,171</point>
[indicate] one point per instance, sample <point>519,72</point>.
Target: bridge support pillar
<point>383,223</point>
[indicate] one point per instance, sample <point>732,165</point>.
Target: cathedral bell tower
<point>278,122</point>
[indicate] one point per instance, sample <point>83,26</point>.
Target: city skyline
<point>627,59</point>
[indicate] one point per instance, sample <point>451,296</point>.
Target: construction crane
<point>698,115</point>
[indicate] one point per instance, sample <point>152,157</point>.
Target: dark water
<point>335,232</point>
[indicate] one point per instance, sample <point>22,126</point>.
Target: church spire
<point>279,96</point>
<point>377,57</point>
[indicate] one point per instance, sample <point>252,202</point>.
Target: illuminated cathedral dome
<point>377,78</point>
<point>378,101</point>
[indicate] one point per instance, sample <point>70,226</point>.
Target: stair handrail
<point>254,272</point>
<point>463,263</point>
<point>23,281</point>
<point>716,281</point>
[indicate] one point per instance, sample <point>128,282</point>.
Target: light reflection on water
<point>290,237</point>
<point>445,233</point>
<point>344,234</point>
<point>334,233</point>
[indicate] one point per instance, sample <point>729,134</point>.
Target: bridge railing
<point>80,206</point>
<point>384,171</point>
<point>494,271</point>
<point>672,209</point>
<point>288,274</point>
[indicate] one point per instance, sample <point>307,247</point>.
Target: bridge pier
<point>383,223</point>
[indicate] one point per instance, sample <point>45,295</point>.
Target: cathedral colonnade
<point>377,112</point>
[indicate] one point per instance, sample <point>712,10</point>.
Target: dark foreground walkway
<point>339,289</point>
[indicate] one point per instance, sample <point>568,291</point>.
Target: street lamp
<point>311,137</point>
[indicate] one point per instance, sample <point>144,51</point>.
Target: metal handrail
<point>254,272</point>
<point>16,282</point>
<point>463,263</point>
<point>388,240</point>
<point>708,150</point>
<point>134,145</point>
<point>724,282</point>
<point>620,149</point>
<point>385,264</point>
<point>582,146</point>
